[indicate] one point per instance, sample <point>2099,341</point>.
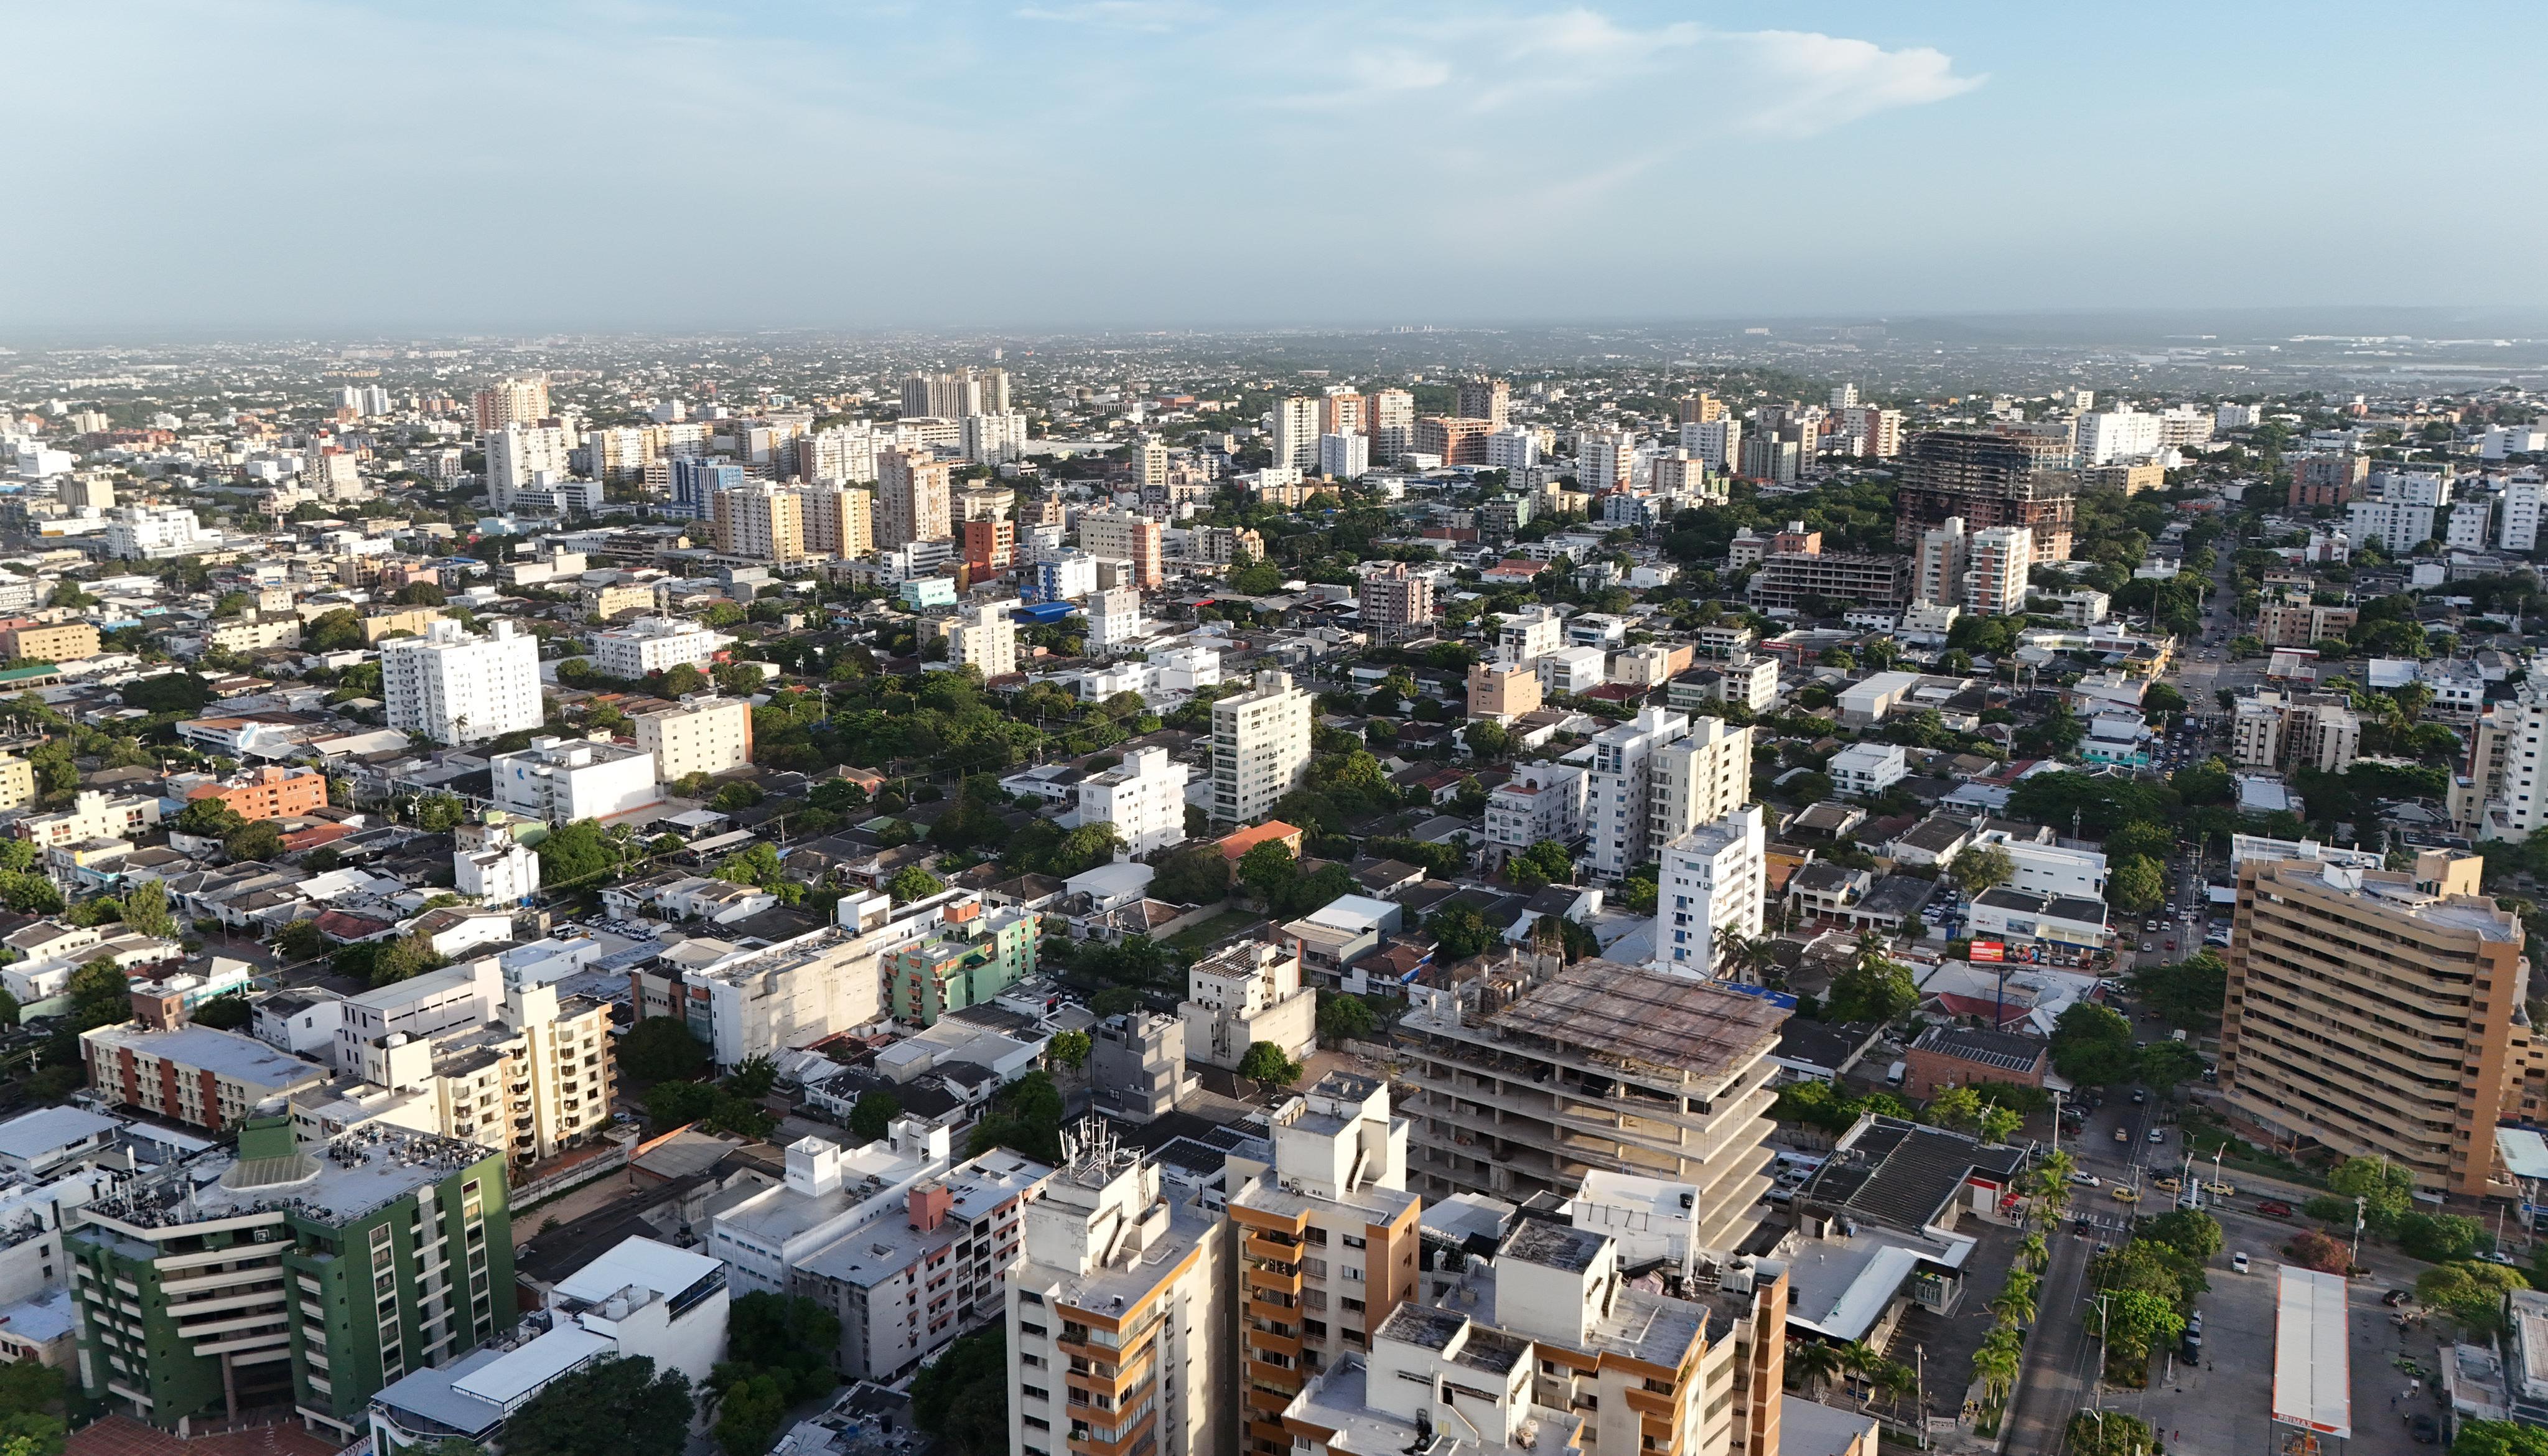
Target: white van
<point>1893,1075</point>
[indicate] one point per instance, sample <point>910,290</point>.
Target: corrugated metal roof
<point>2312,1371</point>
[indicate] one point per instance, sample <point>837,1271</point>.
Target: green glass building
<point>280,1278</point>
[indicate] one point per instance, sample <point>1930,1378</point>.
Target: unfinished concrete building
<point>1532,1075</point>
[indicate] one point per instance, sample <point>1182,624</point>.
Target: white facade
<point>2235,417</point>
<point>1603,459</point>
<point>1616,802</point>
<point>995,439</point>
<point>986,637</point>
<point>2397,526</point>
<point>1541,802</point>
<point>1864,769</point>
<point>138,532</point>
<point>1996,567</point>
<point>1345,457</point>
<point>1114,618</point>
<point>503,872</point>
<point>702,735</point>
<point>1714,883</point>
<point>2122,433</point>
<point>1571,670</point>
<point>522,457</point>
<point>1261,748</point>
<point>2047,869</point>
<point>1529,634</point>
<point>1719,443</point>
<point>1144,797</point>
<point>562,781</point>
<point>656,645</point>
<point>1940,570</point>
<point>1513,448</point>
<point>2469,524</point>
<point>457,689</point>
<point>1295,432</point>
<point>2520,529</point>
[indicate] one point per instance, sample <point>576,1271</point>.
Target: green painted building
<point>972,956</point>
<point>283,1276</point>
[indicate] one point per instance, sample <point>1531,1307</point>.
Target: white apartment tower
<point>1295,432</point>
<point>454,688</point>
<point>1713,884</point>
<point>2520,528</point>
<point>1617,806</point>
<point>1603,459</point>
<point>1120,1311</point>
<point>1719,443</point>
<point>1996,571</point>
<point>1940,575</point>
<point>985,636</point>
<point>1144,797</point>
<point>1261,748</point>
<point>1529,634</point>
<point>521,457</point>
<point>1345,457</point>
<point>1698,779</point>
<point>915,499</point>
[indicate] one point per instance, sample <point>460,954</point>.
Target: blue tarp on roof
<point>1043,613</point>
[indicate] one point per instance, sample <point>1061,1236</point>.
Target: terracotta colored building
<point>271,792</point>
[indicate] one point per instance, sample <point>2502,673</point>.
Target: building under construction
<point>1989,478</point>
<point>1528,1077</point>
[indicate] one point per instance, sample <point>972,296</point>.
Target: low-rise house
<point>1944,1057</point>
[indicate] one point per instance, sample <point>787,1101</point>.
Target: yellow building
<point>16,781</point>
<point>705,735</point>
<point>62,642</point>
<point>414,621</point>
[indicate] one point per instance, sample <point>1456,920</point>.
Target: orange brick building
<point>270,793</point>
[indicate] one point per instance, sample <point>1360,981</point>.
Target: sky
<point>289,165</point>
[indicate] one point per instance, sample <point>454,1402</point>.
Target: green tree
<point>1267,869</point>
<point>1957,1109</point>
<point>1069,1048</point>
<point>1977,869</point>
<point>748,1415</point>
<point>1343,1017</point>
<point>911,883</point>
<point>2499,1438</point>
<point>2108,1434</point>
<point>441,813</point>
<point>963,1398</point>
<point>2187,993</point>
<point>1459,933</point>
<point>2387,1190</point>
<point>1873,987</point>
<point>302,940</point>
<point>661,1048</point>
<point>614,1408</point>
<point>411,954</point>
<point>2441,1238</point>
<point>2190,1231</point>
<point>1265,1062</point>
<point>340,630</point>
<point>2167,1064</point>
<point>261,839</point>
<point>2092,1045</point>
<point>168,693</point>
<point>2136,884</point>
<point>1196,876</point>
<point>1543,864</point>
<point>2472,1292</point>
<point>229,1013</point>
<point>873,1114</point>
<point>210,818</point>
<point>580,854</point>
<point>145,909</point>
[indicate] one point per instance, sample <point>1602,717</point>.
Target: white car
<point>2238,1262</point>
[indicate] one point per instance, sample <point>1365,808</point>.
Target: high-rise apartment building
<point>1120,1335</point>
<point>842,454</point>
<point>1394,602</point>
<point>837,520</point>
<point>1150,462</point>
<point>647,645</point>
<point>1114,619</point>
<point>761,522</point>
<point>1716,440</point>
<point>1996,570</point>
<point>1327,1241</point>
<point>990,546</point>
<point>1393,410</point>
<point>984,636</point>
<point>956,394</point>
<point>455,688</point>
<point>1843,397</point>
<point>522,457</point>
<point>2120,434</point>
<point>1697,409</point>
<point>1683,477</point>
<point>1489,400</point>
<point>1261,748</point>
<point>512,402</point>
<point>1144,797</point>
<point>1938,574</point>
<point>2325,478</point>
<point>2519,529</point>
<point>993,439</point>
<point>1537,1073</point>
<point>2502,791</point>
<point>694,483</point>
<point>1125,536</point>
<point>2372,1012</point>
<point>1345,457</point>
<point>229,1283</point>
<point>1603,459</point>
<point>1698,778</point>
<point>1989,478</point>
<point>1619,808</point>
<point>534,1081</point>
<point>1342,411</point>
<point>1295,432</point>
<point>1457,441</point>
<point>619,455</point>
<point>701,734</point>
<point>1771,458</point>
<point>1713,884</point>
<point>915,499</point>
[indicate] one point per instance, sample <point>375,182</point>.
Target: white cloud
<point>1819,82</point>
<point>1148,16</point>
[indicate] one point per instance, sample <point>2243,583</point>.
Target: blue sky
<point>278,165</point>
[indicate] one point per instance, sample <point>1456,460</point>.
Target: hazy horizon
<point>292,168</point>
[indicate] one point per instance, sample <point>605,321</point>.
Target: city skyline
<point>1163,163</point>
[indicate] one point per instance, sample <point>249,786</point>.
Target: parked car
<point>2139,1096</point>
<point>2156,1136</point>
<point>2275,1208</point>
<point>2122,1134</point>
<point>2426,1433</point>
<point>2238,1262</point>
<point>2085,1180</point>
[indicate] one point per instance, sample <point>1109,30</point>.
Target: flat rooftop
<point>1607,1010</point>
<point>365,1169</point>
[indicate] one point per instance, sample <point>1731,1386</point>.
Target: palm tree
<point>1814,1364</point>
<point>2033,1252</point>
<point>2015,1305</point>
<point>1996,1368</point>
<point>1895,1381</point>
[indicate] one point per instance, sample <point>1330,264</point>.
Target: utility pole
<point>2359,1204</point>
